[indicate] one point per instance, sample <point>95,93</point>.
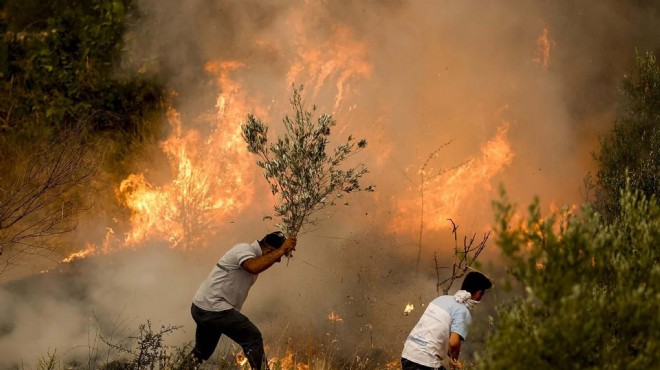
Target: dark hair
<point>476,281</point>
<point>275,239</point>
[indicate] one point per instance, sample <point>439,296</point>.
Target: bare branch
<point>425,178</point>
<point>39,199</point>
<point>463,259</point>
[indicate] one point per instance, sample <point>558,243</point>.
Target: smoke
<point>538,77</point>
<point>436,72</point>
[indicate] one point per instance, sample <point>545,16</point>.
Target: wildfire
<point>544,45</point>
<point>211,174</point>
<point>556,215</point>
<point>334,317</point>
<point>445,195</point>
<point>340,56</point>
<point>408,309</point>
<point>241,360</point>
<point>80,254</point>
<point>288,361</point>
<point>93,249</point>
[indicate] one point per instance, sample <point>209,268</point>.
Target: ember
<point>334,317</point>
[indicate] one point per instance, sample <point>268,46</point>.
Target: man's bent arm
<point>259,264</point>
<point>454,346</point>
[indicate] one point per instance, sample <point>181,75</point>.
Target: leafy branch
<point>146,349</point>
<point>299,169</point>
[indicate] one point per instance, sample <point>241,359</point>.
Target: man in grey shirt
<point>218,301</point>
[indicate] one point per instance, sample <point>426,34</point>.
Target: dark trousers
<point>211,325</point>
<point>409,365</point>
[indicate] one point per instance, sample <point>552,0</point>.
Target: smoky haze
<point>522,89</point>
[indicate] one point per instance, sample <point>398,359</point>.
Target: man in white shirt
<point>218,301</point>
<point>436,339</point>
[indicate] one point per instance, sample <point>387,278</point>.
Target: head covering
<point>275,239</point>
<point>465,297</point>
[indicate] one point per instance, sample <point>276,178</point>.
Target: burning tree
<point>299,168</point>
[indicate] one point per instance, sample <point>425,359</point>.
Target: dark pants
<point>409,365</point>
<point>211,325</point>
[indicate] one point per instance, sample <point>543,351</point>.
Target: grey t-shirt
<point>228,284</point>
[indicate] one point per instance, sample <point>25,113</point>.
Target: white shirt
<point>428,341</point>
<point>228,284</point>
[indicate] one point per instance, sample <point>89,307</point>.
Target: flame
<point>559,216</point>
<point>544,45</point>
<point>288,361</point>
<point>241,360</point>
<point>93,249</point>
<point>211,174</point>
<point>393,365</point>
<point>408,309</point>
<point>334,317</point>
<point>445,195</point>
<point>340,56</point>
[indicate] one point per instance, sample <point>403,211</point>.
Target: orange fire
<point>211,174</point>
<point>341,57</point>
<point>241,360</point>
<point>544,45</point>
<point>558,217</point>
<point>334,317</point>
<point>92,249</point>
<point>408,309</point>
<point>288,361</point>
<point>445,195</point>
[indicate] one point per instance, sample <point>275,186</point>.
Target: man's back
<point>227,284</point>
<point>428,340</point>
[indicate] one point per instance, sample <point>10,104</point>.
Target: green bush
<point>591,290</point>
<point>62,64</point>
<point>631,152</point>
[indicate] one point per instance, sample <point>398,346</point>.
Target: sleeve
<point>460,322</point>
<point>243,252</point>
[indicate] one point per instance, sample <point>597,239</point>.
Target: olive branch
<point>299,169</point>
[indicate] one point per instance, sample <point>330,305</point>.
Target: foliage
<point>632,150</point>
<point>146,350</point>
<point>63,64</point>
<point>299,168</point>
<point>61,70</point>
<point>592,290</point>
<point>48,362</point>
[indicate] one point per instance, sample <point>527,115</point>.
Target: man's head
<point>476,284</point>
<point>272,241</point>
